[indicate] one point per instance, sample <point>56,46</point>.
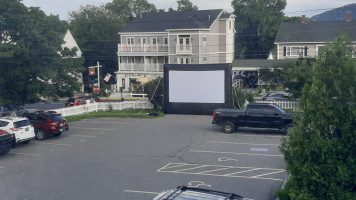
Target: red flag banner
<point>91,71</point>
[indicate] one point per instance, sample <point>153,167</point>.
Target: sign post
<point>92,72</point>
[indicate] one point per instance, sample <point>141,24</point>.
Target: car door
<point>272,117</point>
<point>255,116</point>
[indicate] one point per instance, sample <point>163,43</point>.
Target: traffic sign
<point>96,89</point>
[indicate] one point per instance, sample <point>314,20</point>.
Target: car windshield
<point>21,123</point>
<point>279,109</point>
<point>3,123</point>
<point>56,117</point>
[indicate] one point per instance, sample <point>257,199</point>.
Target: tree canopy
<point>257,23</point>
<point>320,151</point>
<point>186,5</point>
<point>31,56</point>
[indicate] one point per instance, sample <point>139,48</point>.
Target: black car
<point>277,96</point>
<point>6,142</point>
<point>189,193</point>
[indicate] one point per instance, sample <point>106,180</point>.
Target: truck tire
<point>228,127</point>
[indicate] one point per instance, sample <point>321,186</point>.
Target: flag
<point>107,77</point>
<point>91,71</point>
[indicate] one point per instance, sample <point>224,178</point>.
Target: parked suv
<point>189,193</point>
<point>20,127</point>
<point>47,123</point>
<point>74,101</point>
<point>6,142</point>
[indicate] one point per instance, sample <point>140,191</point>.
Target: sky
<point>294,7</point>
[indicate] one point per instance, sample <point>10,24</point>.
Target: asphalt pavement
<point>128,158</point>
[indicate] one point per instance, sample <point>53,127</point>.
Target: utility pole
<point>98,66</point>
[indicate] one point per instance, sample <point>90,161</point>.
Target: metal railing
<point>103,106</point>
<point>142,48</point>
<point>290,105</point>
<point>158,67</point>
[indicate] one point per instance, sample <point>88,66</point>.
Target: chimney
<point>303,19</point>
<point>348,16</point>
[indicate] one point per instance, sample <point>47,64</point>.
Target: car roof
<point>186,193</point>
<point>12,119</point>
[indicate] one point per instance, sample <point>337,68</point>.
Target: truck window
<point>254,109</point>
<point>269,110</point>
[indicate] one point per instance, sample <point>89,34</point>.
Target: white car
<point>18,126</point>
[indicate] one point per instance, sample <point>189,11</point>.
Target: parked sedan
<point>74,101</point>
<point>6,110</point>
<point>277,96</point>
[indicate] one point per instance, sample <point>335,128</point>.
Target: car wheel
<point>40,135</point>
<point>57,134</point>
<point>4,152</point>
<point>228,127</point>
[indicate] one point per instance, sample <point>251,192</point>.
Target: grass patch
<point>138,113</point>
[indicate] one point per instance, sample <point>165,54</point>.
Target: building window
<point>204,41</point>
<point>154,41</point>
<point>205,59</point>
<point>295,51</point>
<point>183,60</point>
<point>131,60</point>
<point>165,41</point>
<point>131,41</point>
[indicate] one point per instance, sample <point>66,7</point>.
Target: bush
<point>239,96</point>
<point>154,91</point>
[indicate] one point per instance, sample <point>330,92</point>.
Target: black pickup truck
<point>256,115</point>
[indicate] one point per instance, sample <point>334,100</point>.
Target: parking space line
<point>235,153</point>
<point>242,143</point>
<point>105,129</point>
<point>276,136</point>
<point>52,144</point>
<point>223,171</point>
<point>142,192</point>
<point>269,173</point>
<point>82,135</point>
<point>26,154</point>
<point>86,121</point>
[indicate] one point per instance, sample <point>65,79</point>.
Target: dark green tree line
<point>31,57</point>
<point>256,24</point>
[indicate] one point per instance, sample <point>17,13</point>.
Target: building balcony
<point>184,49</point>
<point>134,67</point>
<point>149,48</point>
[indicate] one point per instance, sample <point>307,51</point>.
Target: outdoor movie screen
<point>197,86</point>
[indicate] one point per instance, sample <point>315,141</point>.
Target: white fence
<point>291,105</point>
<point>103,106</point>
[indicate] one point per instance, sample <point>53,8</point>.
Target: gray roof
<point>161,21</point>
<point>258,63</point>
<point>290,32</point>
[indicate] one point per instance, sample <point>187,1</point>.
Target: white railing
<point>143,48</point>
<point>158,67</point>
<point>103,106</point>
<point>291,105</point>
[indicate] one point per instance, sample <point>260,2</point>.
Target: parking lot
<point>126,158</point>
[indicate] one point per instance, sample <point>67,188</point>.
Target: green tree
<point>186,5</point>
<point>320,151</point>
<point>31,66</point>
<point>154,90</point>
<point>257,24</point>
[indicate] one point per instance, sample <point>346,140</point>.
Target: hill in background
<point>337,14</point>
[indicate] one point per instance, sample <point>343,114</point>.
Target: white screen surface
<point>197,86</point>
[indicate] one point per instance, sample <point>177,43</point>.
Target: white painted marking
<point>27,154</point>
<point>225,159</point>
<point>82,135</point>
<point>234,153</point>
<point>52,144</point>
<point>142,192</point>
<point>241,172</point>
<point>101,122</point>
<point>1,167</point>
<point>269,173</point>
<point>104,129</point>
<point>197,184</point>
<point>214,170</point>
<point>259,149</point>
<point>273,136</point>
<point>242,143</point>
